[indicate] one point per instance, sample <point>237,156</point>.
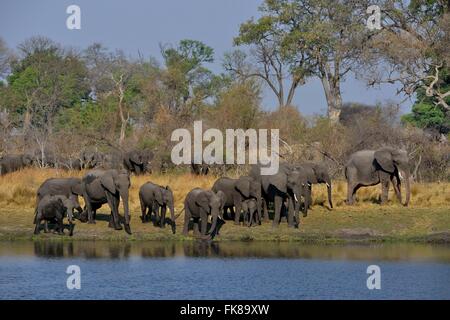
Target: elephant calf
<point>54,209</point>
<point>156,199</point>
<point>198,205</point>
<point>250,210</point>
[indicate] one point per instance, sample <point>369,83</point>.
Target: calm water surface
<point>222,271</point>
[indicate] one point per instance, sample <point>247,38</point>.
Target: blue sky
<point>138,26</point>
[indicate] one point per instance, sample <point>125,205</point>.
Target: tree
<point>186,78</point>
<point>426,115</point>
<point>412,48</point>
<point>312,37</point>
<point>266,60</point>
<point>5,58</point>
<point>44,80</point>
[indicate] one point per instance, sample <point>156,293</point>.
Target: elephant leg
<point>384,190</point>
<point>143,210</point>
<point>237,214</point>
<point>196,227</point>
<point>204,226</point>
<point>38,225</point>
<point>187,218</point>
<point>114,206</point>
<point>293,218</point>
<point>310,197</point>
<point>88,208</point>
<point>60,225</point>
<point>351,192</point>
<point>397,187</point>
<point>265,211</point>
<point>163,216</point>
<point>278,202</point>
<point>46,229</point>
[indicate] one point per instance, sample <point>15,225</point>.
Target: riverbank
<point>321,226</point>
<point>426,220</point>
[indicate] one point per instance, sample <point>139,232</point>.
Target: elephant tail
<point>179,214</point>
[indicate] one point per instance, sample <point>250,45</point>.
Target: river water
<point>235,270</point>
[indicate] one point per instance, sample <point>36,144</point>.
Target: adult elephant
<point>137,161</point>
<point>13,163</point>
<point>288,184</point>
<point>90,159</point>
<point>371,167</point>
<point>199,169</point>
<point>156,199</point>
<point>198,205</point>
<point>68,187</point>
<point>236,191</point>
<point>317,173</point>
<point>107,186</point>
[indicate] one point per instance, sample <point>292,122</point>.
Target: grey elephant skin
<point>90,159</point>
<point>198,205</point>
<point>138,161</point>
<point>288,185</point>
<point>371,167</point>
<point>317,173</point>
<point>236,191</point>
<point>69,187</point>
<point>250,212</point>
<point>157,199</point>
<point>54,209</point>
<point>199,169</point>
<point>11,163</point>
<point>107,186</point>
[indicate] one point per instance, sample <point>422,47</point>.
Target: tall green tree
<point>186,78</point>
<point>44,80</point>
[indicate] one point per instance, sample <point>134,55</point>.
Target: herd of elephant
<point>134,161</point>
<point>244,200</point>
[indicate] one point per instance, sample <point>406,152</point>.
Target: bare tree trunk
<point>332,89</point>
<point>123,119</point>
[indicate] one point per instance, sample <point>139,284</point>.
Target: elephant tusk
<point>309,184</point>
<point>295,197</point>
<point>328,185</point>
<point>400,175</point>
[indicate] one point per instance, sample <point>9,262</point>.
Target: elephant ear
<point>243,186</point>
<point>222,197</point>
<point>202,200</point>
<point>279,181</point>
<point>77,189</point>
<point>107,182</point>
<point>159,197</point>
<point>384,159</point>
<point>135,158</point>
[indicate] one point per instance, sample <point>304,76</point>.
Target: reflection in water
<point>121,250</point>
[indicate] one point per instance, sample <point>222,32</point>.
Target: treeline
<point>60,100</point>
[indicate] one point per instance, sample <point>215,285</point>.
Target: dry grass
<point>428,213</point>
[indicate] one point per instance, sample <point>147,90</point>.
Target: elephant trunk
<point>259,208</point>
<point>408,188</point>
<point>215,216</point>
<point>172,217</point>
<point>126,212</point>
<point>329,194</point>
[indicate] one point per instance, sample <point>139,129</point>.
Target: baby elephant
<point>250,212</point>
<point>53,209</point>
<point>157,199</point>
